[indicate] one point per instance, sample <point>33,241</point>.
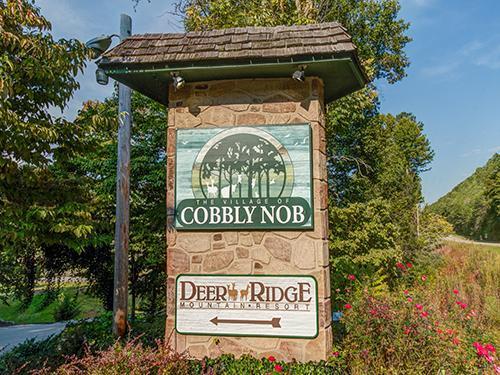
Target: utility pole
<point>120,295</point>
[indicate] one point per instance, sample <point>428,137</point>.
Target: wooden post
<point>120,296</point>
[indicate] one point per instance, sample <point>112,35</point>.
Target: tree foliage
<point>375,26</point>
<point>147,203</point>
<point>473,206</point>
<point>374,160</point>
<point>39,203</point>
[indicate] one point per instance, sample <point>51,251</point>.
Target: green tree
<point>473,206</point>
<point>147,207</point>
<point>374,160</point>
<point>39,203</point>
<point>375,26</point>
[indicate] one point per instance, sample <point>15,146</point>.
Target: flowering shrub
<point>430,323</point>
<point>131,358</point>
<point>438,316</point>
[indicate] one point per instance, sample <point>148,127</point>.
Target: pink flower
<point>490,348</point>
<point>496,368</point>
<point>409,299</point>
<point>409,265</point>
<point>424,314</point>
<point>373,312</point>
<point>450,331</point>
<point>351,277</point>
<point>271,358</point>
<point>401,266</point>
<point>278,368</point>
<point>335,354</point>
<point>347,306</point>
<point>424,277</point>
<point>407,331</point>
<point>419,307</point>
<point>406,292</point>
<point>455,291</point>
<point>456,341</point>
<point>482,351</point>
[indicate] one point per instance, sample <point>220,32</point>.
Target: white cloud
<point>485,54</point>
<point>419,3</point>
<point>441,70</point>
<point>473,152</point>
<point>489,57</point>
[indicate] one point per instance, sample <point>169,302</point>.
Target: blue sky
<point>453,83</point>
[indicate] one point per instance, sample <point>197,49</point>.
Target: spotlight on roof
<point>101,77</point>
<point>100,44</point>
<point>178,81</point>
<point>299,75</point>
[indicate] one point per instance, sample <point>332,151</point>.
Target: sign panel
<point>255,177</point>
<point>247,305</point>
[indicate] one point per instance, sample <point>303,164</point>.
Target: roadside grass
<point>474,270</point>
<point>444,304</point>
<point>35,313</point>
<point>440,319</point>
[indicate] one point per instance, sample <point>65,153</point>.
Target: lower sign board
<point>247,305</point>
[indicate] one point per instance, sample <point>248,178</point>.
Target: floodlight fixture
<point>299,75</point>
<point>178,81</point>
<point>101,77</point>
<point>100,44</point>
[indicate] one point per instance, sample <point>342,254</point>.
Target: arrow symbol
<point>274,322</point>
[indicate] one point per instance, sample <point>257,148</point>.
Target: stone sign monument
<point>247,191</point>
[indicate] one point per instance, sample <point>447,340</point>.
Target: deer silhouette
<point>224,192</point>
<point>244,293</point>
<point>233,293</point>
<point>212,190</point>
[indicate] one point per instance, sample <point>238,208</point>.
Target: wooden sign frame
<point>303,204</point>
<point>272,321</point>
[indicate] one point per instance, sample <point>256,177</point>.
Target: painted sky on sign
<point>295,138</point>
<point>453,84</point>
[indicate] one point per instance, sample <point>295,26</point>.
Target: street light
<point>100,44</point>
<point>299,75</point>
<point>101,77</point>
<point>178,81</point>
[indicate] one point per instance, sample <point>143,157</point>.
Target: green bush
<point>135,358</point>
<point>363,242</point>
<point>435,321</point>
<point>67,309</point>
<point>77,339</point>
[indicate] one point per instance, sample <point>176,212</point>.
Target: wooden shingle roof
<point>242,43</point>
<point>146,62</point>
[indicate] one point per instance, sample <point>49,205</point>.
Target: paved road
<point>465,240</point>
<point>10,336</point>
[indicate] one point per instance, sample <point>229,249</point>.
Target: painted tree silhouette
<point>246,155</point>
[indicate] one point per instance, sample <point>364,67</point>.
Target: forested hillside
<point>473,206</point>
